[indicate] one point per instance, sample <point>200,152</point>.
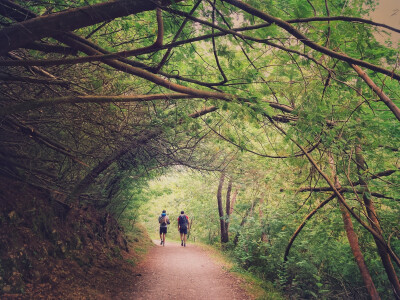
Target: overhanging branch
<point>306,41</point>
<point>24,33</point>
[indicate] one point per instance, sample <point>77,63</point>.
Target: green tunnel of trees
<point>277,121</point>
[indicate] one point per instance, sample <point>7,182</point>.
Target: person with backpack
<point>164,222</point>
<point>183,224</point>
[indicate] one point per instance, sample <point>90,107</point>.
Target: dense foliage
<point>280,109</point>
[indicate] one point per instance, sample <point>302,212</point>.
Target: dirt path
<point>177,272</point>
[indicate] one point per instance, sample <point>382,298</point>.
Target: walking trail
<point>175,272</point>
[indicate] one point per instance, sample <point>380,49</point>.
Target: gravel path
<point>176,272</point>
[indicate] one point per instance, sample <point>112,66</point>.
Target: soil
<point>177,272</point>
<point>52,253</point>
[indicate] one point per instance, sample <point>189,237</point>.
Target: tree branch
<point>24,33</point>
<point>326,189</point>
<point>34,104</point>
<point>385,99</point>
<point>306,41</point>
<point>340,197</point>
<point>309,216</point>
<point>343,18</point>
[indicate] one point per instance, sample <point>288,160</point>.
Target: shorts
<point>163,230</point>
<point>183,230</point>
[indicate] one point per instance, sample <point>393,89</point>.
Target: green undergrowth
<point>139,243</point>
<point>258,288</point>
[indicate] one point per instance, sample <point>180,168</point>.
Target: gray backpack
<point>164,221</point>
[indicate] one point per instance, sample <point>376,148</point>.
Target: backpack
<point>164,221</point>
<point>183,221</point>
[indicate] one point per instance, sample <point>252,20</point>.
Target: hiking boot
<point>161,242</point>
<point>181,243</point>
<point>184,245</point>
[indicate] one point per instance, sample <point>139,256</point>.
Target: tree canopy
<point>291,101</point>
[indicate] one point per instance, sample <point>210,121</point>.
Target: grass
<point>256,287</point>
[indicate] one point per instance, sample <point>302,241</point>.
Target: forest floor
<point>178,272</point>
<point>82,253</point>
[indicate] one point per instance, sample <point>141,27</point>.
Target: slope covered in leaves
<point>49,253</point>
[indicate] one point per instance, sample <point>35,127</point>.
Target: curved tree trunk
<point>358,256</point>
<point>374,222</point>
<point>306,41</point>
<point>353,239</point>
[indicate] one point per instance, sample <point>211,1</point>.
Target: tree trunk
<point>233,201</point>
<point>341,198</point>
<point>374,222</point>
<point>228,207</point>
<point>24,33</point>
<point>353,239</point>
<point>358,256</point>
<point>224,234</point>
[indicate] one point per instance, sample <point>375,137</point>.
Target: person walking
<point>164,221</point>
<point>183,224</point>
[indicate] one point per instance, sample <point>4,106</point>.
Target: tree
<point>142,85</point>
<point>224,219</point>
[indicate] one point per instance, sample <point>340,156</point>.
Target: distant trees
<point>230,200</point>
